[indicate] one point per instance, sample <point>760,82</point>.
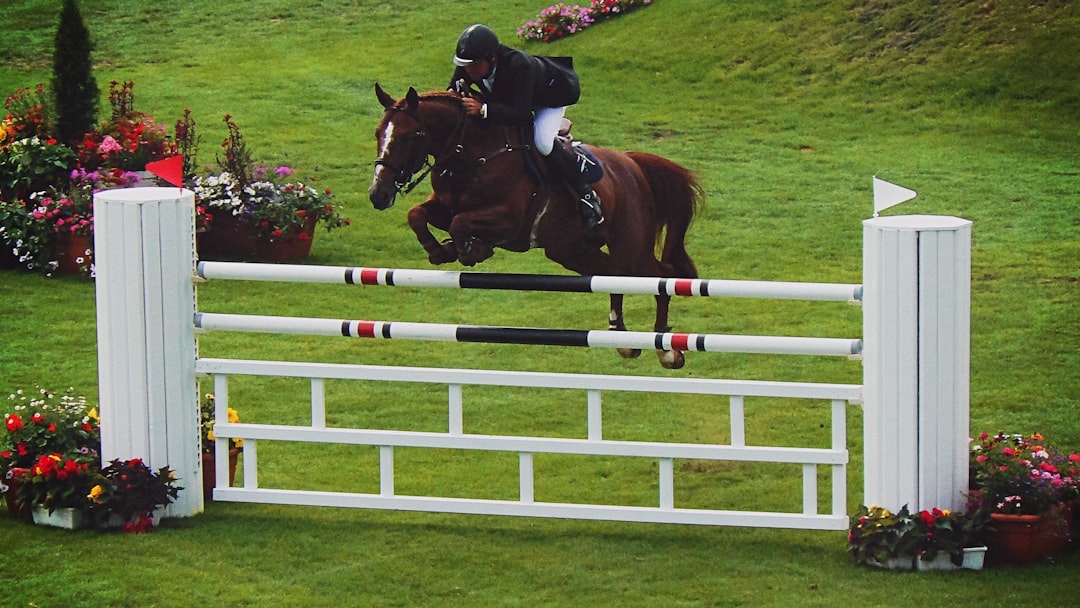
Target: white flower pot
<point>973,560</point>
<point>974,557</point>
<point>65,517</point>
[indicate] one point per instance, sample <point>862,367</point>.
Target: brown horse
<point>491,189</point>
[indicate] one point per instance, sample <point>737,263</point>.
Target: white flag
<point>886,195</point>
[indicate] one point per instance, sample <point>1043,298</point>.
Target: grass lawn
<point>783,109</point>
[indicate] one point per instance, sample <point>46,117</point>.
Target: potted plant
<point>56,489</point>
<point>128,140</point>
<point>931,539</point>
<point>43,422</point>
<point>258,212</point>
<point>128,492</point>
<point>1028,488</point>
<point>52,230</point>
<point>209,444</point>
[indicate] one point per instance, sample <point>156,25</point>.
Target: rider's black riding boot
<point>565,161</point>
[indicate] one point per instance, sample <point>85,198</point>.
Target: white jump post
<point>144,247</point>
<point>916,360</point>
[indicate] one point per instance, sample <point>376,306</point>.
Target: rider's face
<point>479,69</point>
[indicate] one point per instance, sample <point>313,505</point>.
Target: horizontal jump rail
<point>463,506</point>
<point>544,445</point>
<point>777,345</point>
<point>483,377</point>
<point>714,288</point>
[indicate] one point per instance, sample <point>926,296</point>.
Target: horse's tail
<point>677,195</point>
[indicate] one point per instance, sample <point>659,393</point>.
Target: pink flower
<point>109,145</point>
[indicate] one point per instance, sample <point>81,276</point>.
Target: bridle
<point>403,176</point>
<point>404,182</point>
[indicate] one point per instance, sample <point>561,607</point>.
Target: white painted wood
<point>525,477</point>
<point>916,360</point>
<point>386,470</point>
<point>737,415</point>
<point>539,509</point>
<point>596,417</point>
<point>667,483</point>
<point>479,377</point>
<point>318,403</point>
<point>144,245</point>
<point>456,423</point>
<point>810,493</point>
<point>717,288</point>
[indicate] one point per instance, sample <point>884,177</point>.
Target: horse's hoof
<point>443,255</point>
<point>629,353</point>
<point>671,359</point>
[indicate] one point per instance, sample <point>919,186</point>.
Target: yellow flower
<point>93,414</point>
<point>233,416</point>
<point>95,494</point>
<point>210,435</point>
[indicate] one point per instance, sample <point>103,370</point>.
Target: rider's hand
<point>473,107</point>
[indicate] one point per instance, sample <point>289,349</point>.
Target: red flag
<point>171,169</point>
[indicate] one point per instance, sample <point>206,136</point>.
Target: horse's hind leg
<point>669,359</point>
<point>616,323</point>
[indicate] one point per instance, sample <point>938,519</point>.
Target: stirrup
<point>590,209</point>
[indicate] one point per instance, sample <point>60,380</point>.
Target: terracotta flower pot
<point>230,239</point>
<point>74,252</point>
<point>209,472</point>
<point>1024,539</point>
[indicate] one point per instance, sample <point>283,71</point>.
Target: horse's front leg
<point>474,233</point>
<point>616,323</point>
<point>433,212</point>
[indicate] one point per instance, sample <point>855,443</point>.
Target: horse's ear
<point>412,99</point>
<point>384,98</point>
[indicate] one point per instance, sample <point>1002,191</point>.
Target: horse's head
<point>402,144</point>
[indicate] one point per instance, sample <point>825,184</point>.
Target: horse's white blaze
<point>388,136</point>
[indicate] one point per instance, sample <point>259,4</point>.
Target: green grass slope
<point>784,110</point>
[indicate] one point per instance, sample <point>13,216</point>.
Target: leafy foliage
<point>877,535</point>
<point>131,491</point>
<point>73,81</point>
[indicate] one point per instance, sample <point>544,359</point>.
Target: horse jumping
<point>491,189</point>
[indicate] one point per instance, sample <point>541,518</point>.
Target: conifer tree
<point>73,81</point>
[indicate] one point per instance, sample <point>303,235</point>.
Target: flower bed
<point>561,19</point>
<point>47,188</point>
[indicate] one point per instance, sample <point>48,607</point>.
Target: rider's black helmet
<point>476,42</point>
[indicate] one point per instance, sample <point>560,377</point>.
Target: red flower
<point>927,518</point>
<point>303,236</point>
<point>1009,452</point>
<point>21,447</point>
<point>277,233</point>
<point>37,418</point>
<point>13,422</point>
<point>52,428</point>
<point>5,454</point>
<point>87,427</point>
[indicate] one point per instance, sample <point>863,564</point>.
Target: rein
<point>404,182</point>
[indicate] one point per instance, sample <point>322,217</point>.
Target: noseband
<point>403,179</point>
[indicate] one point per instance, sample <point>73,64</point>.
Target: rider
<point>513,87</point>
